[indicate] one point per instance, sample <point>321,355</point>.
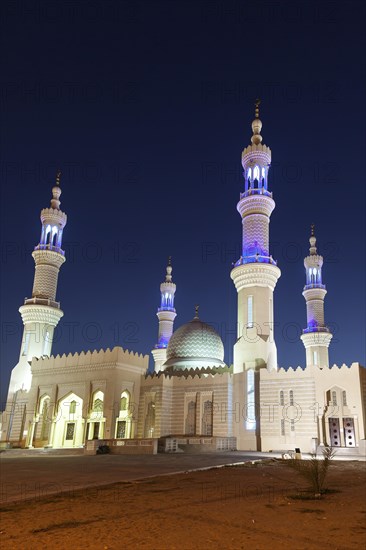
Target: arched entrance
<point>69,422</point>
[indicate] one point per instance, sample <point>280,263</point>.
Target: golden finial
<point>196,307</point>
<point>257,103</point>
<point>58,176</point>
<point>312,230</point>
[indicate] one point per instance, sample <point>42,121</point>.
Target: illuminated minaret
<point>41,313</point>
<point>166,315</point>
<point>255,274</point>
<point>317,336</point>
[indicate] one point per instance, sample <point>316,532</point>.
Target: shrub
<point>314,470</point>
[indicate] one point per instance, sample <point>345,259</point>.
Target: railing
<point>314,285</point>
<point>315,329</point>
<point>255,191</point>
<point>255,258</point>
<point>42,302</point>
<point>50,247</point>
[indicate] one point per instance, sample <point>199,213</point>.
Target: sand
<point>242,507</point>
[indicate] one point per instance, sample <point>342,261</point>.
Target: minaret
<point>256,273</point>
<point>317,336</point>
<point>166,315</point>
<point>41,313</point>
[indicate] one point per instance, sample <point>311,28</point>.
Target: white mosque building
<point>192,399</point>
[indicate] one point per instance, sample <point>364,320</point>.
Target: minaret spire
<point>317,336</point>
<point>166,315</point>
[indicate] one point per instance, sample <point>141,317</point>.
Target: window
<point>250,422</point>
<point>282,426</point>
<point>125,401</point>
<point>207,418</point>
<point>250,312</point>
<point>282,398</point>
<point>249,174</point>
<point>73,407</point>
<point>334,398</point>
<point>26,343</point>
<point>45,343</point>
<point>98,405</point>
<point>344,399</point>
<point>256,173</point>
<point>291,398</point>
<point>190,427</point>
<point>121,429</point>
<point>150,419</point>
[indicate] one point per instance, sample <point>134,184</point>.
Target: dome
<point>195,345</point>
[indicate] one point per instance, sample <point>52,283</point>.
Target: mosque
<point>192,400</point>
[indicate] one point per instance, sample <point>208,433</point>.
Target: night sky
<point>146,107</point>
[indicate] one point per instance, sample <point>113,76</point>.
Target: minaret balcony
<point>255,191</point>
<point>50,247</point>
<point>41,302</point>
<point>314,285</point>
<point>315,329</point>
<point>255,258</point>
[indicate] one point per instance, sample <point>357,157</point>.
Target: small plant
<point>314,470</point>
<point>103,450</point>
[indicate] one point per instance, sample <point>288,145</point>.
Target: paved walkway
<point>34,474</point>
<point>31,477</point>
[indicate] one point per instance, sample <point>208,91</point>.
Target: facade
<point>68,400</point>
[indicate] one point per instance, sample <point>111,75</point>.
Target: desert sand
<point>254,506</point>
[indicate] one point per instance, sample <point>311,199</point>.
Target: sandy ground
<point>242,507</point>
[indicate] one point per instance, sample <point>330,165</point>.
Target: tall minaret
<point>256,273</point>
<point>317,336</point>
<point>166,315</point>
<point>41,312</point>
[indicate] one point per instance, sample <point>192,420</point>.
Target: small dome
<point>195,345</point>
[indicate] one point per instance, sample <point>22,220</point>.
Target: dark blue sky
<point>146,107</point>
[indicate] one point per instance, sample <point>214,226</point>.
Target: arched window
<point>125,401</point>
<point>344,399</point>
<point>249,174</point>
<point>334,398</point>
<point>72,409</point>
<point>256,173</point>
<point>54,236</point>
<point>48,234</point>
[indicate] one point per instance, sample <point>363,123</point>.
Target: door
<point>349,432</point>
<point>96,430</point>
<point>70,432</point>
<point>334,431</point>
<point>121,429</point>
